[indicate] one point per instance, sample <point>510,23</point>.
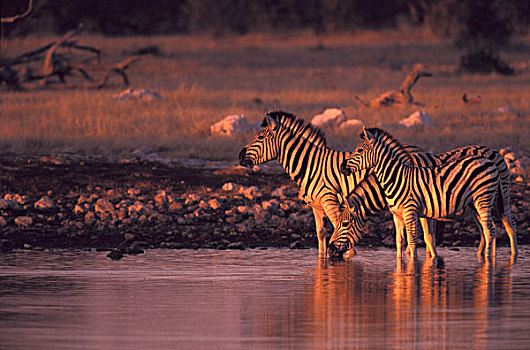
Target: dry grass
<point>205,79</point>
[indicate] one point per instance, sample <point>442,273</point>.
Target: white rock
<point>270,205</point>
<point>192,198</point>
<point>233,125</point>
<point>104,206</point>
<point>140,94</point>
<point>138,208</point>
<point>45,203</point>
<point>161,198</point>
<point>331,117</point>
<point>504,110</point>
<point>243,209</point>
<point>81,209</point>
<point>351,124</point>
<point>418,119</point>
<point>23,221</point>
<point>16,198</point>
<point>230,186</point>
<point>214,204</point>
<point>250,192</point>
<point>143,151</point>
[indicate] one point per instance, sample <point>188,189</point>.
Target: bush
<point>483,61</point>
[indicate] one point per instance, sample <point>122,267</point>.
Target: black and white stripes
<point>441,192</point>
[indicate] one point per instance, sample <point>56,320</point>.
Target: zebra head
<point>263,147</point>
<point>346,232</point>
<point>362,156</point>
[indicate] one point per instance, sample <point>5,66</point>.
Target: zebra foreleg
<point>400,235</point>
<point>429,230</point>
<point>412,226</point>
<point>321,232</point>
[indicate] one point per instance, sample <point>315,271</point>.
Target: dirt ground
<point>130,205</point>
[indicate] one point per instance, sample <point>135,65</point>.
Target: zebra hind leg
<point>429,230</point>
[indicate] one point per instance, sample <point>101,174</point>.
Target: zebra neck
<point>368,197</point>
<point>391,170</point>
<point>298,157</point>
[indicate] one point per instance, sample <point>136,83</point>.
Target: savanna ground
<point>204,79</point>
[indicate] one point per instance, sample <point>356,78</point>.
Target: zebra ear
<point>367,135</point>
<point>271,122</point>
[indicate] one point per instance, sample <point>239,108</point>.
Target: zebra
<point>301,149</point>
<point>440,192</point>
<point>352,218</point>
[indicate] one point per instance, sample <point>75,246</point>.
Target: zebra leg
<point>321,232</point>
<point>429,230</point>
<point>482,244</point>
<point>503,209</point>
<point>486,221</point>
<point>412,227</point>
<point>400,235</point>
<point>509,226</point>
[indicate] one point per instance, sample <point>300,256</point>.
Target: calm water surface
<point>262,299</point>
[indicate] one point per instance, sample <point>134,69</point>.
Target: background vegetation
<point>215,58</point>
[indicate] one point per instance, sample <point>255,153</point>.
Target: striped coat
<point>440,192</point>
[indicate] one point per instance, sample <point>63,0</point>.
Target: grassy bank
<point>205,79</point>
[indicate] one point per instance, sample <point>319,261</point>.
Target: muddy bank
<point>77,202</point>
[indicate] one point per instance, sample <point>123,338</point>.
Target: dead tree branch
<point>17,17</point>
<point>398,97</point>
<point>58,64</point>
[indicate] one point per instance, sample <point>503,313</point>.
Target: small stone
<point>243,209</point>
<point>161,198</point>
<point>296,245</point>
<point>250,192</point>
<point>115,255</point>
<point>214,204</point>
<point>23,221</point>
<point>90,218</point>
<point>45,204</point>
<point>175,206</point>
<point>104,206</point>
<point>236,245</point>
<point>230,186</point>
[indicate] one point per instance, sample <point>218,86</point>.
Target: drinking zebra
<point>349,230</point>
<point>301,149</point>
<point>441,192</point>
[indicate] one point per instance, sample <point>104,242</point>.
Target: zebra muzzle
<point>336,251</point>
<point>344,168</point>
<point>247,163</point>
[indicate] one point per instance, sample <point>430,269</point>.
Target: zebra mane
<point>298,127</point>
<point>389,142</point>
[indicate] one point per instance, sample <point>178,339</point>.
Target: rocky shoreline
<point>128,205</point>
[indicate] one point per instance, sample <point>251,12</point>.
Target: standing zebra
<point>302,151</point>
<point>365,202</point>
<point>439,192</point>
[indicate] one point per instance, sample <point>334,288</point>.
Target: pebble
<point>45,204</point>
<point>23,221</point>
